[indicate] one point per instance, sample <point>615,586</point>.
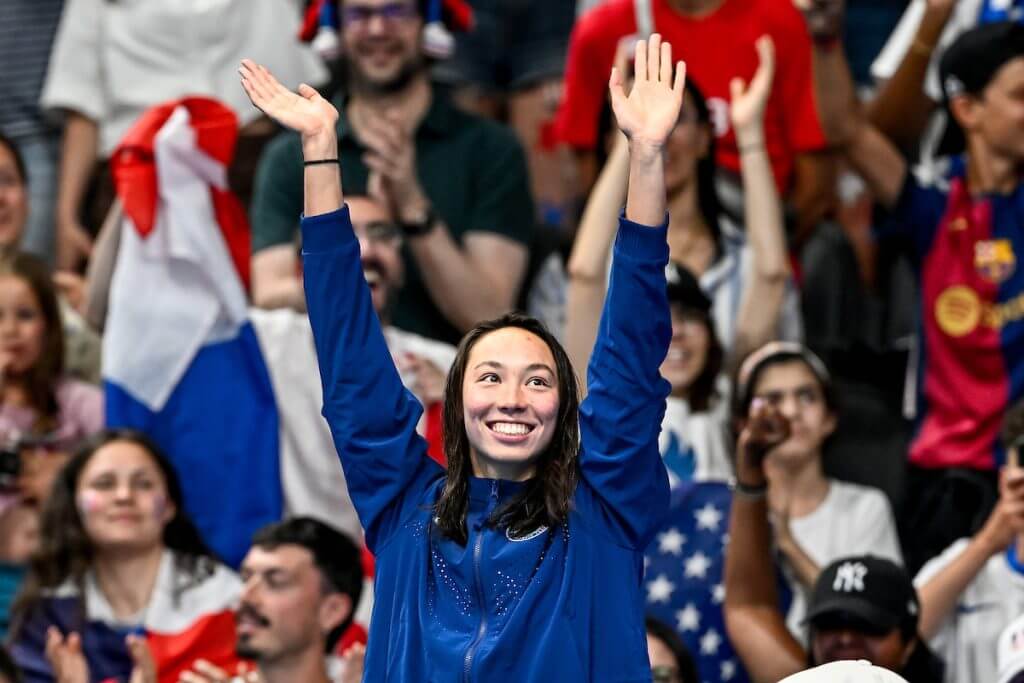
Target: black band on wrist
<point>317,162</point>
<point>421,226</point>
<point>748,491</point>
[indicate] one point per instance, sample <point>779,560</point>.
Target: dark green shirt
<point>473,170</point>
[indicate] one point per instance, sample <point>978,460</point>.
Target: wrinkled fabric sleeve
<point>621,417</point>
<point>371,415</point>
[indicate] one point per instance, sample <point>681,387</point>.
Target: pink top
<point>80,414</point>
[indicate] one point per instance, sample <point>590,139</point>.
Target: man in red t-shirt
<point>716,39</point>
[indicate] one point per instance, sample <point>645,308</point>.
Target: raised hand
<point>765,429</point>
<point>651,110</point>
<point>748,101</point>
<point>824,17</point>
<point>305,112</point>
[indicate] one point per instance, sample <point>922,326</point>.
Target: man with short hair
<point>456,183</point>
<point>302,584</point>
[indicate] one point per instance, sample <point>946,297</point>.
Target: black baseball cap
<point>969,64</point>
<point>684,290</point>
<point>873,590</point>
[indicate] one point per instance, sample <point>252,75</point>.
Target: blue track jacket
<point>562,604</point>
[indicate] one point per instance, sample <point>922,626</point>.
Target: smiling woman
<point>538,526</point>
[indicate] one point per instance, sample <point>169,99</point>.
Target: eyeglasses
<point>379,232</point>
<point>665,674</point>
<point>391,13</point>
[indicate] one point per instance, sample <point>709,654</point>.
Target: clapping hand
<point>70,666</point>
<point>651,110</point>
<point>749,101</point>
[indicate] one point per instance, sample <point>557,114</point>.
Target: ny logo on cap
<point>850,577</point>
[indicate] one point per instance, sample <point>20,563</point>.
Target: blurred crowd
<point>845,189</point>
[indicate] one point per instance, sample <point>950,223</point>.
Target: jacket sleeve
<point>621,417</point>
<point>372,417</point>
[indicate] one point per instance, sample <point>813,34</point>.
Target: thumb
<point>736,87</point>
<point>615,86</point>
<point>308,91</point>
<point>141,655</point>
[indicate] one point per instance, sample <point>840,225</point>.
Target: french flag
<point>181,361</point>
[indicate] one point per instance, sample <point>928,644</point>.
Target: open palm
<point>651,110</point>
<point>748,103</point>
<point>305,112</point>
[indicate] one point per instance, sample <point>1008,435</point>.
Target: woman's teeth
<point>510,428</point>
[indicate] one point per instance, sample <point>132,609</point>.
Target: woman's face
<point>13,200</point>
<point>687,352</point>
<point>794,390</point>
<point>122,498</point>
<point>510,402</point>
<point>687,144</point>
<point>22,326</point>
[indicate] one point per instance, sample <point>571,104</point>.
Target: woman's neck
<point>991,173</point>
<point>799,488</point>
<point>689,238</point>
<point>127,579</point>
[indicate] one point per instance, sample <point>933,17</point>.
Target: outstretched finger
<point>680,84</point>
<point>766,69</point>
<point>666,63</point>
<point>653,57</point>
<point>640,61</point>
<point>736,87</point>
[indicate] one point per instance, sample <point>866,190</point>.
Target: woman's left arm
<point>764,287</point>
<point>621,417</point>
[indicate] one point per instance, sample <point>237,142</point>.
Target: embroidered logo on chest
<point>994,260</point>
<point>539,531</point>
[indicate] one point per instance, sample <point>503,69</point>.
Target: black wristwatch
<point>420,225</point>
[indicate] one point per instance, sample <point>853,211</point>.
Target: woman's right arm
<point>371,415</point>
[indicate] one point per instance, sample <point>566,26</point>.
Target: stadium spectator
<point>509,65</point>
<point>717,37</point>
<point>28,28</point>
<point>862,606</point>
<point>112,61</point>
<point>963,230</point>
<point>974,589</point>
<point>82,345</point>
<point>816,519</point>
<point>118,557</point>
<point>43,413</point>
<point>907,109</point>
<point>301,585</point>
<point>457,184</point>
<point>742,281</point>
<point>670,661</point>
<point>845,672</point>
<point>514,432</point>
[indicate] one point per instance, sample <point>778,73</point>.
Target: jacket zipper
<point>481,630</point>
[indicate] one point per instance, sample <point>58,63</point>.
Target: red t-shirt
<point>716,48</point>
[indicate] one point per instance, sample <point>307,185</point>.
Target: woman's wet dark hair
<point>546,498</point>
<point>65,550</point>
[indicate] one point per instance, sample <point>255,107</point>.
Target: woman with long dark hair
<point>119,558</point>
<point>729,288</point>
<point>524,560</point>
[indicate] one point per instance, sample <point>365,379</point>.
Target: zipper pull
<point>494,489</point>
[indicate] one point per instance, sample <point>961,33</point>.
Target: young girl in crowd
<point>120,560</point>
<point>523,561</point>
<point>816,519</point>
<point>43,412</point>
<point>726,291</point>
